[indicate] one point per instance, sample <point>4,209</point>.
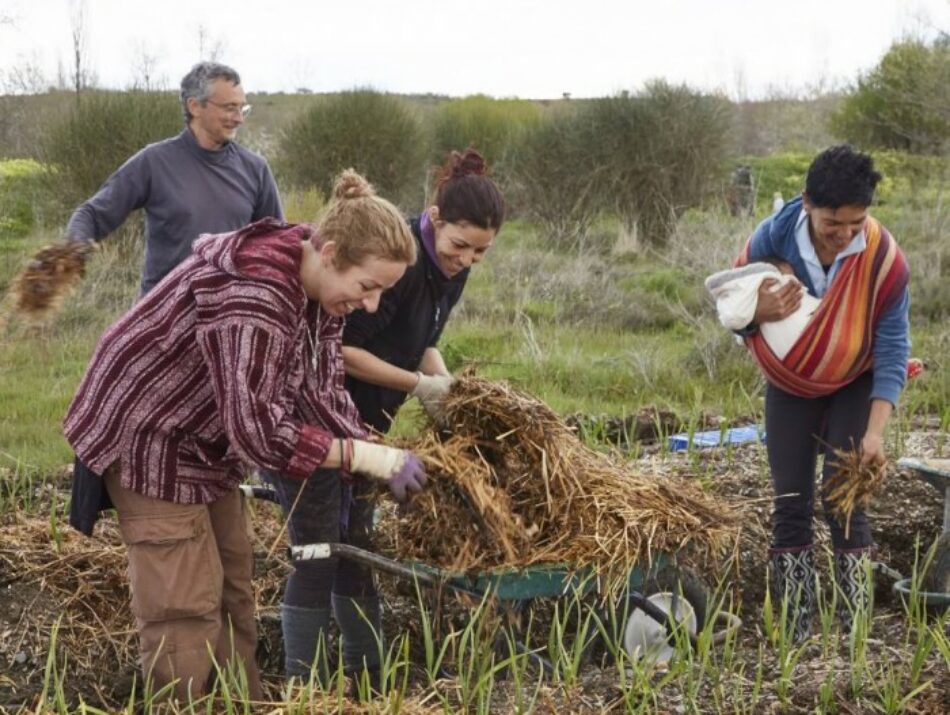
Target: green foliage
<point>661,150</point>
<point>20,189</point>
<point>903,103</point>
<point>101,133</point>
<point>377,134</point>
<point>780,173</point>
<point>302,205</point>
<point>905,176</point>
<point>493,126</point>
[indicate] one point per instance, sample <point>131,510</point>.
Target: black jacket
<point>410,318</point>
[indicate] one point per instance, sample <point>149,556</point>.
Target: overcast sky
<point>525,48</point>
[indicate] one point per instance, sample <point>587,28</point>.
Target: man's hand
<point>872,450</point>
<point>777,302</point>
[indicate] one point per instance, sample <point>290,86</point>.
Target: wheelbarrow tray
<point>544,580</point>
<point>935,472</point>
<point>541,581</point>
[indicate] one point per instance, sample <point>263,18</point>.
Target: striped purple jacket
<point>211,373</point>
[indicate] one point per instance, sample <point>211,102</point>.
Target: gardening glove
<point>400,469</point>
<point>431,391</point>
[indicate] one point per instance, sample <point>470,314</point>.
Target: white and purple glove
<point>402,471</point>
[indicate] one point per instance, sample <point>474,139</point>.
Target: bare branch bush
<point>380,135</point>
<point>556,181</point>
<point>662,151</point>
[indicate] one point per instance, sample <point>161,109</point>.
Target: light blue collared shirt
<point>819,279</point>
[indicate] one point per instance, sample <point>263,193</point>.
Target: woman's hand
<point>431,391</point>
<point>872,450</point>
<point>401,470</point>
<point>777,303</point>
<point>872,444</point>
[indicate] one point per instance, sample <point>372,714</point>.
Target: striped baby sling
<point>837,344</point>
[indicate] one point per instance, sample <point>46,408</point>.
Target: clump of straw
<point>514,486</point>
<point>852,485</point>
<point>39,289</point>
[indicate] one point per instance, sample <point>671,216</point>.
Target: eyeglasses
<point>234,109</point>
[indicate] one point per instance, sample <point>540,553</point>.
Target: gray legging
<point>316,519</point>
<point>798,429</point>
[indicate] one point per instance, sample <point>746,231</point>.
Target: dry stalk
<point>39,289</point>
<point>852,485</point>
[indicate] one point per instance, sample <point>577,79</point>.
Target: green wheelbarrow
<point>660,601</point>
<point>936,583</point>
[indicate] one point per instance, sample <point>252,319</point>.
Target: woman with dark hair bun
<point>392,353</point>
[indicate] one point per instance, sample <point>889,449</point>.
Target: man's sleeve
<point>121,194</point>
<point>268,200</point>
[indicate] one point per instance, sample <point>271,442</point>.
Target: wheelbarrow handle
<point>310,552</point>
<point>255,491</point>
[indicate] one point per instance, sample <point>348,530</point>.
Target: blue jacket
<point>775,238</point>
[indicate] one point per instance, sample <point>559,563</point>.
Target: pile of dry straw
<point>511,485</point>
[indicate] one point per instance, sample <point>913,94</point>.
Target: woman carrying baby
<point>837,386</point>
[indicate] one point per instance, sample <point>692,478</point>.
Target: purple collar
<point>428,240</point>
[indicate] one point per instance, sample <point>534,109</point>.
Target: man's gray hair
<point>197,83</point>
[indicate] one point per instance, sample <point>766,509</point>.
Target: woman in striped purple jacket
<point>232,362</point>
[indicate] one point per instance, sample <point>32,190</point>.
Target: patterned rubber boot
<point>795,579</point>
<point>853,584</point>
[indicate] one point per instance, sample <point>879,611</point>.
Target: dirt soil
<point>54,579</point>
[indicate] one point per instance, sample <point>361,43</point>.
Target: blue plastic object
<point>717,438</point>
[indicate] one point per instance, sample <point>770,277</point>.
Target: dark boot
<point>795,575</point>
<point>852,584</point>
<point>305,629</point>
<point>360,626</point>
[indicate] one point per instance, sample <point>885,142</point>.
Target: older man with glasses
<point>198,182</point>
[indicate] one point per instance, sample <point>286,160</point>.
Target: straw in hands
<point>851,485</point>
<point>39,289</point>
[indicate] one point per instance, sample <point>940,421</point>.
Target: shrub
<point>661,150</point>
<point>780,173</point>
<point>100,133</point>
<point>554,179</point>
<point>493,126</point>
<point>377,134</point>
<point>905,175</point>
<point>20,189</point>
<point>302,205</point>
<point>903,103</point>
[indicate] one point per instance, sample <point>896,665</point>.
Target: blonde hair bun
<point>350,185</point>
